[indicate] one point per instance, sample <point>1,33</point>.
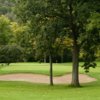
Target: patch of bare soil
<point>36,78</point>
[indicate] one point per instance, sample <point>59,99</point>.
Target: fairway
<point>36,68</point>
<point>26,91</point>
<point>42,68</point>
<point>30,91</point>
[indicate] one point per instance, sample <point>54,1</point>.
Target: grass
<point>38,68</point>
<point>29,91</point>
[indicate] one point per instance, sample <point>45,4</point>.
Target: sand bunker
<point>36,78</point>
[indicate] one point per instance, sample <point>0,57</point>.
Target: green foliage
<point>92,38</point>
<point>57,18</point>
<point>47,30</point>
<point>6,8</point>
<point>5,30</point>
<point>10,54</point>
<point>22,37</point>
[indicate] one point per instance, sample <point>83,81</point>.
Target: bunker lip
<point>38,78</point>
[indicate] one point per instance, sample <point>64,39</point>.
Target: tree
<point>46,41</point>
<point>90,51</point>
<point>22,38</point>
<point>9,49</point>
<point>65,49</point>
<point>6,8</point>
<point>76,14</point>
<point>73,16</point>
<point>46,32</point>
<point>5,30</point>
<point>10,54</point>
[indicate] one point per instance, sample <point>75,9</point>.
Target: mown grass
<point>40,68</point>
<point>36,68</point>
<point>29,91</point>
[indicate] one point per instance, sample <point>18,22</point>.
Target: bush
<point>10,54</point>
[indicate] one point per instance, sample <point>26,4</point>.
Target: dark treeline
<point>7,10</point>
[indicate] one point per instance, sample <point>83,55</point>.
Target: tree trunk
<point>73,27</point>
<point>51,70</point>
<point>75,69</point>
<point>45,58</point>
<point>62,58</point>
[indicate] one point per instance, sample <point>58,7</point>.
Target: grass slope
<point>40,68</point>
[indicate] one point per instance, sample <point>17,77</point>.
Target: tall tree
<point>22,38</point>
<point>5,30</point>
<point>46,31</point>
<point>46,41</point>
<point>73,16</point>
